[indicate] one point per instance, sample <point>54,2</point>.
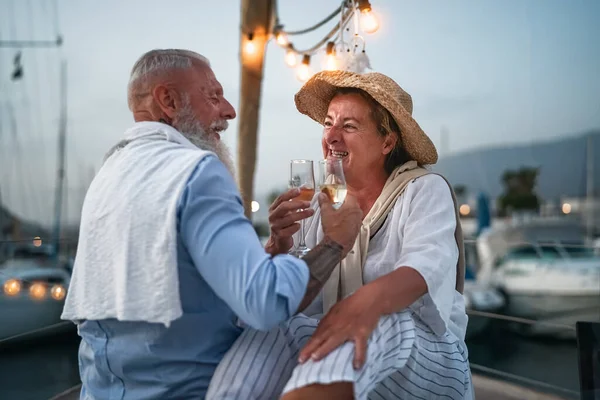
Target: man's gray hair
<point>153,64</point>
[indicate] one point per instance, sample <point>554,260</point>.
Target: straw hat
<point>314,97</point>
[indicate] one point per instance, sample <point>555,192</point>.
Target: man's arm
<point>321,261</point>
<point>262,290</point>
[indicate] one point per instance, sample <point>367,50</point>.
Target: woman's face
<point>350,133</point>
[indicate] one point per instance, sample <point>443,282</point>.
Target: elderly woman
<point>395,320</point>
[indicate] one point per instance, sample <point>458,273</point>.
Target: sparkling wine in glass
<point>302,176</point>
<point>332,181</point>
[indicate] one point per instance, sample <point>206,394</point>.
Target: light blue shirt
<point>224,273</point>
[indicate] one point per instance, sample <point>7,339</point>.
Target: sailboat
<point>34,276</point>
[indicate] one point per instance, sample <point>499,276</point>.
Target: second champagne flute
<point>332,181</point>
<point>302,176</point>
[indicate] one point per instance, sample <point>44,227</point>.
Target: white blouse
<point>418,233</point>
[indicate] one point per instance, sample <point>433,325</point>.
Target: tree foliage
<point>519,190</point>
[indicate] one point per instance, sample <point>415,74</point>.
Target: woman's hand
<point>283,221</point>
<point>352,319</point>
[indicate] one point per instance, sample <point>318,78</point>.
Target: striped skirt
<point>405,360</point>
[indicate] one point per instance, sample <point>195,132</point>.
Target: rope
<point>317,25</point>
<point>525,321</point>
<point>334,31</point>
<point>40,330</point>
<point>522,379</point>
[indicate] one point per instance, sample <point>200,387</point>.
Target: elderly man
<point>167,264</point>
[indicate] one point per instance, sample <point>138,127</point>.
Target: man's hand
<point>340,228</point>
<point>283,220</point>
<point>341,225</point>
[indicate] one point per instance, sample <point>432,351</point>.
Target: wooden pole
<point>256,22</point>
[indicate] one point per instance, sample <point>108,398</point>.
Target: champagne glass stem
<point>302,244</point>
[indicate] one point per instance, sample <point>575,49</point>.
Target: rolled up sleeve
<point>429,247</point>
<point>262,290</point>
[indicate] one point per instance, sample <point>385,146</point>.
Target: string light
<point>250,46</point>
<point>304,72</point>
<point>280,36</point>
<point>340,54</point>
<point>368,21</point>
<point>331,63</point>
<point>291,58</point>
<point>281,39</point>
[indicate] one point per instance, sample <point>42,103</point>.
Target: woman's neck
<point>367,192</point>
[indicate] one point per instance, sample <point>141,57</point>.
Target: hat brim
<point>314,97</point>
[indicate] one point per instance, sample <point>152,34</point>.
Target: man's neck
<point>146,116</point>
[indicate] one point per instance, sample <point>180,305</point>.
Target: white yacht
<point>543,269</point>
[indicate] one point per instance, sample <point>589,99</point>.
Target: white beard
<point>189,126</point>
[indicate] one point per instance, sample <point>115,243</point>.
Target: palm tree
<point>519,190</point>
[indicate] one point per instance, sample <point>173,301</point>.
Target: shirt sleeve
<point>262,290</point>
<point>429,247</point>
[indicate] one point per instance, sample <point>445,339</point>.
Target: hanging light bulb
<point>250,46</point>
<point>303,72</point>
<point>281,39</point>
<point>368,20</point>
<point>280,36</point>
<point>290,56</point>
<point>331,62</point>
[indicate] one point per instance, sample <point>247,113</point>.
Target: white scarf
<point>126,262</point>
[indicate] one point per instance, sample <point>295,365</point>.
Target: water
<point>37,371</point>
<point>551,361</point>
<point>41,369</point>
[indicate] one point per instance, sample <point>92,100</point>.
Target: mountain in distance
<point>562,163</point>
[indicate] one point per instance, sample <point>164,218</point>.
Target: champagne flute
<point>332,181</point>
<point>302,176</point>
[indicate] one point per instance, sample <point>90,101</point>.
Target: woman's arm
<point>429,254</point>
<point>395,291</point>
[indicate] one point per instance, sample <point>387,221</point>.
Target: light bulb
<point>37,291</point>
<point>368,21</point>
<point>281,39</point>
<point>331,63</point>
<point>12,287</point>
<point>303,72</point>
<point>37,241</point>
<point>290,58</point>
<point>250,46</point>
<point>58,292</point>
<point>464,209</point>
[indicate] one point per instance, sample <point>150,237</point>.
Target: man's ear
<point>167,99</point>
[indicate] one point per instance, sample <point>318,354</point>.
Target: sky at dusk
<point>487,72</point>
